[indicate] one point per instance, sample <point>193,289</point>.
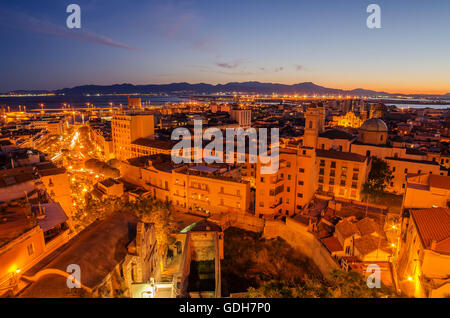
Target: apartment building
<point>198,189</point>
<point>402,167</point>
<point>288,190</point>
<point>242,116</point>
<point>341,174</point>
<point>427,190</point>
<point>128,127</point>
<point>424,264</point>
<point>25,242</point>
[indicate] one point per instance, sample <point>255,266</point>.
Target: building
<point>198,189</point>
<point>427,190</point>
<point>363,239</point>
<point>350,119</point>
<point>424,264</point>
<point>401,167</point>
<point>25,241</point>
<point>242,116</point>
<point>112,255</point>
<point>128,127</point>
<point>288,190</point>
<point>134,102</point>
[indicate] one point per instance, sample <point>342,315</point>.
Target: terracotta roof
<point>332,244</point>
<point>368,226</point>
<point>370,243</point>
<point>340,155</point>
<point>336,134</point>
<point>155,143</point>
<point>347,228</point>
<point>433,225</point>
<point>437,181</point>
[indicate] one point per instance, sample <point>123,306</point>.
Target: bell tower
<point>314,125</point>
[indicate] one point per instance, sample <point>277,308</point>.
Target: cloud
<point>22,21</point>
<point>232,64</point>
<point>279,69</point>
<point>298,67</point>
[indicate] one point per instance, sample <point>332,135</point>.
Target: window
<point>300,183</point>
<point>343,183</point>
<point>393,169</point>
<point>331,181</point>
<point>310,124</point>
<point>301,170</point>
<point>288,164</point>
<point>300,195</point>
<point>406,170</point>
<point>288,189</point>
<point>289,177</point>
<point>262,179</point>
<point>261,204</point>
<point>321,172</point>
<point>333,164</point>
<point>354,185</point>
<point>355,176</point>
<point>332,173</point>
<point>322,163</point>
<point>320,179</point>
<point>304,152</point>
<point>30,249</point>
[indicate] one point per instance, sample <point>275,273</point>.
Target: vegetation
<point>342,285</point>
<point>380,176</point>
<point>146,209</point>
<point>251,261</point>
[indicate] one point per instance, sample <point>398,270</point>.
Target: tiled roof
<point>433,225</point>
<point>336,134</point>
<point>368,226</point>
<point>340,155</point>
<point>370,243</point>
<point>347,228</point>
<point>332,244</point>
<point>442,182</point>
<point>155,143</point>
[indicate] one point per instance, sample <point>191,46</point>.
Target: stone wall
<point>294,233</point>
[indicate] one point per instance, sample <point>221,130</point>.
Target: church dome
<point>375,125</point>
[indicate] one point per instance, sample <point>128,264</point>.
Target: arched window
<point>310,124</point>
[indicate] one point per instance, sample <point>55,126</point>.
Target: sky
<point>279,41</point>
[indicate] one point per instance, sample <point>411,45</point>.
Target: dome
<point>374,124</point>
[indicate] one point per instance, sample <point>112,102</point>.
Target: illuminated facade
<point>424,265</point>
<point>350,119</point>
<point>126,128</point>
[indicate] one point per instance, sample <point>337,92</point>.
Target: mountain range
<point>308,88</point>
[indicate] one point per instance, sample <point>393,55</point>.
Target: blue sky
<point>145,41</point>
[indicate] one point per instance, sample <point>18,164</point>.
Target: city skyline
<point>156,43</point>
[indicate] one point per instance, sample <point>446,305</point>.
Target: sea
<point>56,102</point>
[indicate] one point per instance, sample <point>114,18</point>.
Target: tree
<point>380,176</point>
<point>160,214</point>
